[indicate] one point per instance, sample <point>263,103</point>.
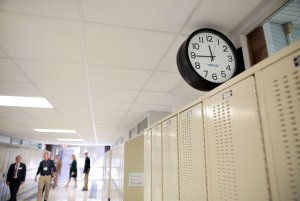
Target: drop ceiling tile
<point>122,47</point>
<point>110,106</point>
<point>64,93</point>
<point>54,73</point>
<point>55,8</point>
<point>18,89</point>
<point>16,116</point>
<point>214,14</point>
<point>167,15</point>
<point>162,81</point>
<point>10,110</point>
<point>147,107</point>
<point>10,73</point>
<point>155,98</point>
<point>107,95</point>
<point>41,38</point>
<point>71,105</point>
<point>2,54</point>
<point>109,114</point>
<point>169,62</point>
<point>117,78</point>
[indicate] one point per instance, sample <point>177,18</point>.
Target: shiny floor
<point>72,193</point>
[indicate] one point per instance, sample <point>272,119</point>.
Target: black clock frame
<point>187,70</point>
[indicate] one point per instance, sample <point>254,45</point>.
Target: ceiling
<point>101,63</point>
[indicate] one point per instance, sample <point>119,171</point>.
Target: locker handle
<point>227,94</point>
<point>297,61</point>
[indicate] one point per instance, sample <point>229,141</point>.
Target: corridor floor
<point>61,193</point>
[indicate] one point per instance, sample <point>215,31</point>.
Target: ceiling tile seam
<point>130,68</point>
<point>198,4</point>
<point>164,55</point>
<point>89,21</point>
<point>133,28</point>
<point>25,74</point>
<point>38,15</point>
<point>175,39</point>
<point>84,51</point>
<point>46,60</point>
<point>119,67</point>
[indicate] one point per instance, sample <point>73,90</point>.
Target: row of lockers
<point>239,142</point>
<point>113,174</point>
<point>30,157</point>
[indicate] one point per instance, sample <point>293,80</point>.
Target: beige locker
<point>280,95</point>
<point>106,175</point>
<point>117,174</point>
<point>170,159</point>
<point>192,163</point>
<point>147,165</point>
<point>156,164</point>
<point>235,150</point>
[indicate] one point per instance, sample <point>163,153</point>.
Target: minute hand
<point>211,54</point>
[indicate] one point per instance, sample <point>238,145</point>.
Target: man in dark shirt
<point>46,168</point>
<point>86,171</point>
<point>15,177</point>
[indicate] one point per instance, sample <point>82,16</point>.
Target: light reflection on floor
<point>61,193</point>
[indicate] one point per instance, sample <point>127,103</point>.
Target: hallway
<point>61,193</point>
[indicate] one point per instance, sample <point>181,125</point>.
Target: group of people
<point>47,170</point>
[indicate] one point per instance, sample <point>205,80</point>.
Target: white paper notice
<point>136,179</point>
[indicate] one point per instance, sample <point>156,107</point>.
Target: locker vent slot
<point>170,160</point>
<point>187,180</point>
<point>226,170</point>
<point>287,96</point>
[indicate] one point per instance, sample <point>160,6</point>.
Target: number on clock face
<point>211,57</point>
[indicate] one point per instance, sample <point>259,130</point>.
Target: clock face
<point>212,56</point>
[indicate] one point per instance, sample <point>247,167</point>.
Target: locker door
<point>192,163</point>
<point>281,85</point>
<point>170,159</point>
<point>147,165</point>
<point>156,164</point>
<point>235,150</point>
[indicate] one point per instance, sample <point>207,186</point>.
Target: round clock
<point>207,59</point>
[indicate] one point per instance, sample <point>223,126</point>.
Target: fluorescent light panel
<point>20,101</point>
<point>53,130</point>
<point>70,140</point>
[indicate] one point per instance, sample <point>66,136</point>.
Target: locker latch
<point>297,61</point>
<point>227,94</point>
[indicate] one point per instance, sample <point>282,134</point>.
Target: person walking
<point>15,177</point>
<point>46,168</point>
<point>86,171</point>
<point>58,166</point>
<point>73,171</point>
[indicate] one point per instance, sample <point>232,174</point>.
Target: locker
<point>170,159</point>
<point>156,164</point>
<point>236,165</point>
<point>147,165</point>
<point>279,92</point>
<point>117,173</point>
<point>192,162</point>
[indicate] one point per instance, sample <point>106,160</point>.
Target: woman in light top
<point>73,171</point>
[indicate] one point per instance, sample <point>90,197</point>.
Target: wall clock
<point>207,59</point>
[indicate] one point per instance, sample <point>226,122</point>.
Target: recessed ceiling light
<point>70,140</point>
<point>19,101</point>
<point>54,130</point>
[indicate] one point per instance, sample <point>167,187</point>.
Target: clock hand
<point>202,56</point>
<point>211,55</point>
